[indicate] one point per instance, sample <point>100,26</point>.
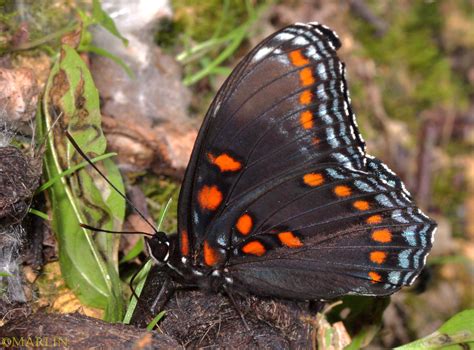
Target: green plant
<point>456,333</point>
<point>88,264</point>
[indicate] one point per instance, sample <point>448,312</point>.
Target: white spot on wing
<point>284,36</point>
<point>264,51</point>
<point>331,138</point>
<point>299,40</point>
<point>322,71</point>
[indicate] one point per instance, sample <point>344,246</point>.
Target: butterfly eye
<point>158,247</point>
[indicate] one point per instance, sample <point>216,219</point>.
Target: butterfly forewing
<point>279,188</point>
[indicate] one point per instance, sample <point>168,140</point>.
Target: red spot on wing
<point>313,179</point>
<point>383,235</point>
<point>315,140</point>
<point>289,239</point>
<point>361,205</point>
<point>244,224</point>
<point>254,248</point>
<point>225,162</point>
<point>306,77</point>
<point>374,219</point>
<point>184,243</point>
<point>306,97</point>
<point>297,58</point>
<point>306,119</point>
<point>375,277</point>
<point>209,197</point>
<point>342,191</point>
<point>378,257</point>
<point>211,256</point>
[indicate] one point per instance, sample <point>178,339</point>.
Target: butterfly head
<point>158,247</point>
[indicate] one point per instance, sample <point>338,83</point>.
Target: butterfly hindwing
<point>347,232</point>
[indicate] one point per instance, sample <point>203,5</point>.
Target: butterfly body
<point>280,198</point>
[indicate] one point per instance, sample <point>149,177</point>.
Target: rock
<point>18,95</point>
<point>151,128</point>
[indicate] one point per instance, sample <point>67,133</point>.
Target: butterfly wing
<point>272,192</point>
<point>344,232</point>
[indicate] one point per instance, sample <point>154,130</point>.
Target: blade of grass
<point>163,213</point>
<point>111,56</point>
<point>238,38</point>
<point>138,289</point>
<point>155,320</point>
<point>39,213</point>
<point>133,253</point>
<point>47,38</point>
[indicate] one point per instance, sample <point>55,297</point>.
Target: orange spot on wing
<point>225,162</point>
<point>374,219</point>
<point>211,257</point>
<point>254,248</point>
<point>383,235</point>
<point>305,97</point>
<point>313,179</point>
<point>378,257</point>
<point>306,119</point>
<point>244,224</point>
<point>375,277</point>
<point>209,197</point>
<point>342,191</point>
<point>315,140</point>
<point>297,58</point>
<point>289,239</point>
<point>306,77</point>
<point>184,243</point>
<point>361,205</point>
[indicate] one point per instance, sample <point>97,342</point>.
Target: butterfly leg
<point>316,306</point>
<point>236,307</point>
<point>134,294</point>
<point>151,302</point>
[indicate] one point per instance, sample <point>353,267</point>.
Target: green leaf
<point>102,18</point>
<point>88,264</point>
<point>457,330</point>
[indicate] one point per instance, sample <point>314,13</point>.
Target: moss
<point>415,71</point>
<point>202,19</point>
<point>449,194</point>
<point>414,75</point>
<point>158,191</point>
<point>33,20</point>
<point>167,32</point>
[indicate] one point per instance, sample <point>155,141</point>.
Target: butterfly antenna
<point>39,149</point>
<point>95,229</point>
<point>78,149</point>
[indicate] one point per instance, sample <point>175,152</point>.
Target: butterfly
<point>280,197</point>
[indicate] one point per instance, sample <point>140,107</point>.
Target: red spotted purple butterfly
<point>279,197</point>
